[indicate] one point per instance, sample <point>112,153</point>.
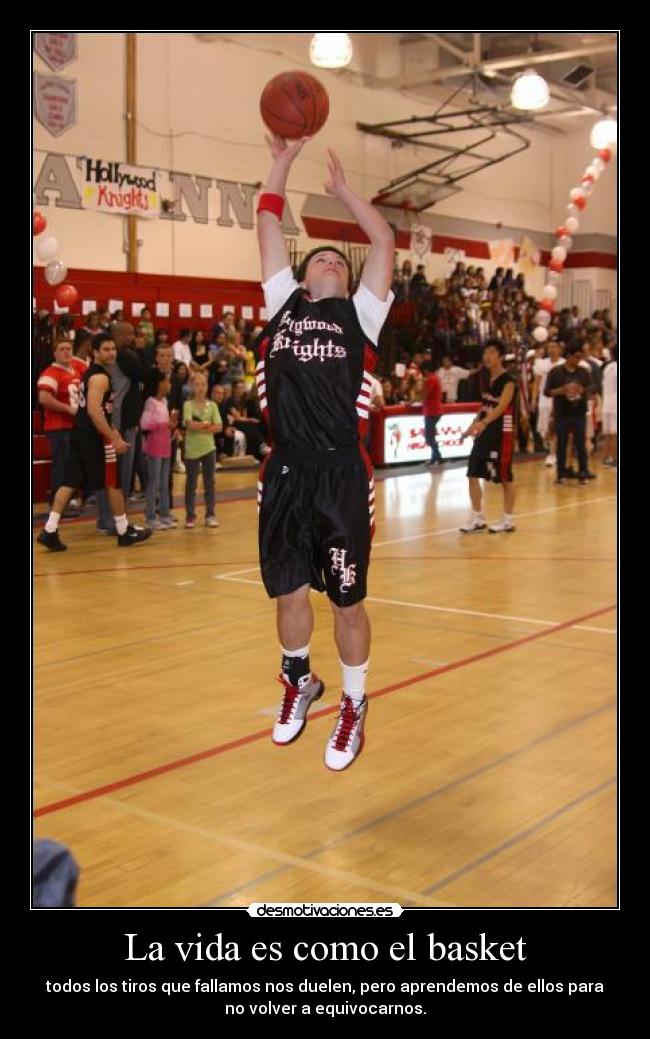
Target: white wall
<point>198,112</point>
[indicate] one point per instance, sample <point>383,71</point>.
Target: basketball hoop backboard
<point>415,195</point>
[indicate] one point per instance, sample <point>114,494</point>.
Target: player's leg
<point>49,536</point>
<point>475,470</point>
<point>288,571</point>
<point>562,433</point>
<point>346,503</point>
<point>295,623</point>
<point>127,534</point>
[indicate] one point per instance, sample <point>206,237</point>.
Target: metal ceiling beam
<point>458,52</point>
<point>540,59</point>
<point>421,79</point>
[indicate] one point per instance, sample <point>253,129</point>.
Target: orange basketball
<point>294,104</point>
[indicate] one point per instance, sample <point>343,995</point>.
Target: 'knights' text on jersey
<point>313,376</point>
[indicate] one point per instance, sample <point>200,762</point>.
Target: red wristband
<point>271,203</point>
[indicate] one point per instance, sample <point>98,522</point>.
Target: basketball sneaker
<point>473,526</point>
<point>502,528</point>
<point>51,541</point>
<point>292,716</point>
<point>346,742</point>
<point>133,536</point>
<point>550,460</point>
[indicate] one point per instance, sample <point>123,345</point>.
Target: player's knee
<point>294,600</point>
<point>353,616</point>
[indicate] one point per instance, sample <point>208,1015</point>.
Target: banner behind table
<point>397,433</point>
<point>115,188</point>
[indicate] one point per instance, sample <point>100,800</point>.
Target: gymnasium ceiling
<point>480,66</point>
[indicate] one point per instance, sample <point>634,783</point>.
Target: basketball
<point>294,104</point>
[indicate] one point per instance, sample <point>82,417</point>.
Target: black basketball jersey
<point>83,421</point>
<point>492,435</point>
<point>313,375</point>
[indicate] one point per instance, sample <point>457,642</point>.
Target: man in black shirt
<point>94,447</point>
<point>570,386</point>
<point>493,428</point>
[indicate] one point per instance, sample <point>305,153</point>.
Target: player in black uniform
<point>94,448</point>
<point>493,428</point>
<point>316,492</point>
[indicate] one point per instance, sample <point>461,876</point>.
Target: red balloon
<point>547,304</point>
<point>605,154</point>
<point>560,232</point>
<point>556,265</point>
<point>588,179</point>
<point>39,223</point>
<point>66,295</point>
<point>580,202</point>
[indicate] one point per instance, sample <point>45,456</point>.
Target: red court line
<point>211,752</point>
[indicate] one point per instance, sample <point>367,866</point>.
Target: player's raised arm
<point>378,269</point>
<point>273,248</point>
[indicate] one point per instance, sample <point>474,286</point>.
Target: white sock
<point>507,518</point>
<point>478,516</point>
<point>121,523</point>
<point>53,522</point>
<point>354,681</point>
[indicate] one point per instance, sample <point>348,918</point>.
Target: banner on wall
<point>55,102</point>
<point>451,258</point>
<point>421,239</point>
<point>529,256</point>
<point>502,252</point>
<point>114,188</point>
<point>57,49</point>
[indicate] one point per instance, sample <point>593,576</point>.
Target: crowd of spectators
<point>440,326</point>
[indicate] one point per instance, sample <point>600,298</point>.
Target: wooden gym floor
<point>488,776</point>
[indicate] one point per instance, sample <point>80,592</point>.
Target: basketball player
<point>316,492</point>
<point>94,447</point>
<point>491,456</point>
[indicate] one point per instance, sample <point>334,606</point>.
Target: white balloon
<point>565,242</point>
<point>554,276</point>
<point>576,193</point>
<point>47,248</point>
<point>549,292</point>
<point>542,317</point>
<point>593,170</point>
<point>540,334</point>
<point>572,224</point>
<point>599,164</point>
<point>559,253</point>
<point>572,211</point>
<point>56,272</point>
<point>587,189</point>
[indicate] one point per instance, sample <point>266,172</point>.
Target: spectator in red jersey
<point>83,350</point>
<point>432,410</point>
<point>58,395</point>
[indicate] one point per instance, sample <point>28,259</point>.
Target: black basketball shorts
<point>316,521</point>
<point>92,463</point>
<point>495,466</point>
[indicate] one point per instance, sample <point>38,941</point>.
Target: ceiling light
<point>530,91</point>
<point>330,50</point>
<point>604,134</point>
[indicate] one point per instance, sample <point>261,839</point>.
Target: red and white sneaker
<point>292,716</point>
<point>346,742</point>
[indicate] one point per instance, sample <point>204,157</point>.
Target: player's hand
<point>178,435</point>
<point>285,151</point>
<point>336,174</point>
<point>474,430</point>
<point>121,446</point>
